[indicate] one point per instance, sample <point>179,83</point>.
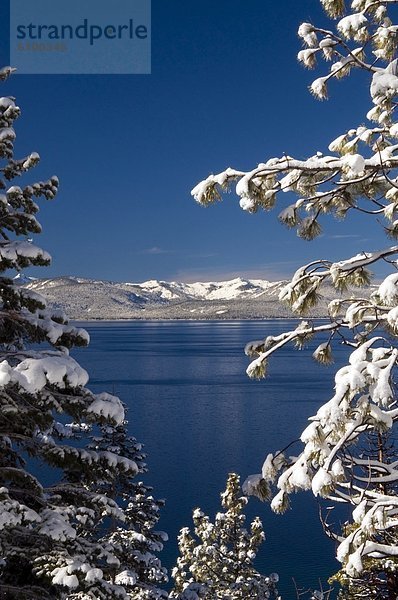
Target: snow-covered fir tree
<point>357,173</point>
<point>73,522</point>
<point>136,541</point>
<point>217,561</point>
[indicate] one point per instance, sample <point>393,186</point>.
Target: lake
<point>200,417</point>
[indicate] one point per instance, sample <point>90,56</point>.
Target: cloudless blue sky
<point>225,90</point>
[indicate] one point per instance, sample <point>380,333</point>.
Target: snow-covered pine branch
<point>363,175</point>
<point>357,171</point>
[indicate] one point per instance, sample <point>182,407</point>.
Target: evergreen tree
<point>217,563</point>
<point>358,173</point>
<point>135,540</point>
<point>73,522</point>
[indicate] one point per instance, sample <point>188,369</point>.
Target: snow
<point>56,526</point>
<point>61,577</point>
<point>229,290</point>
<point>7,133</point>
<point>5,373</point>
<point>336,144</point>
<point>93,575</point>
<point>381,390</point>
<point>388,290</point>
<point>13,513</point>
<point>14,192</point>
<point>359,512</point>
<point>337,469</point>
<point>362,259</point>
<point>350,25</point>
<point>305,29</point>
<point>250,485</point>
<point>33,374</point>
<point>247,203</point>
<point>126,578</point>
<point>321,481</point>
<point>268,470</point>
<point>307,56</point>
<point>6,102</point>
<point>211,290</point>
<point>12,250</point>
<point>383,84</point>
<point>108,406</point>
<point>318,88</point>
<point>288,181</point>
<point>300,476</point>
<point>278,502</point>
<point>392,318</point>
<point>354,563</point>
<point>288,214</point>
<point>31,295</point>
<point>31,160</point>
<point>242,187</point>
<point>354,165</point>
<point>310,433</point>
<point>154,290</point>
<point>160,288</point>
<point>306,32</point>
<point>45,321</point>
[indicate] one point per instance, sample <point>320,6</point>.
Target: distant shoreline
<point>236,300</point>
<point>183,320</point>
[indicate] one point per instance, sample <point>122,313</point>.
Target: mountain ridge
<point>91,299</point>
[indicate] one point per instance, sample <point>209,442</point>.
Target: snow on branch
<point>356,171</point>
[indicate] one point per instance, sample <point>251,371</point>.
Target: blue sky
<point>225,90</point>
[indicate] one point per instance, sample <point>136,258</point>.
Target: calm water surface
<point>200,418</point>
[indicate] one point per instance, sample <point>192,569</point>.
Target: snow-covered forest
<point>76,521</point>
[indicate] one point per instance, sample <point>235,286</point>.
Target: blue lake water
<point>200,417</point>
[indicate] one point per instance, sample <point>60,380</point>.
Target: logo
<point>90,37</point>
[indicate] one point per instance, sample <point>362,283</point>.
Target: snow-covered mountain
<point>221,290</point>
<point>22,279</point>
<point>235,299</point>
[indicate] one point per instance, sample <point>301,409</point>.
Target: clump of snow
<point>383,85</point>
<point>351,25</point>
<point>13,513</point>
<point>251,484</point>
<point>56,526</point>
<point>7,133</point>
<point>354,165</point>
<point>307,33</point>
<point>126,578</point>
<point>62,577</point>
<point>321,481</point>
<point>388,290</point>
<point>107,406</point>
<point>247,203</point>
<point>33,374</point>
<point>12,250</point>
<point>93,575</point>
<point>5,373</point>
